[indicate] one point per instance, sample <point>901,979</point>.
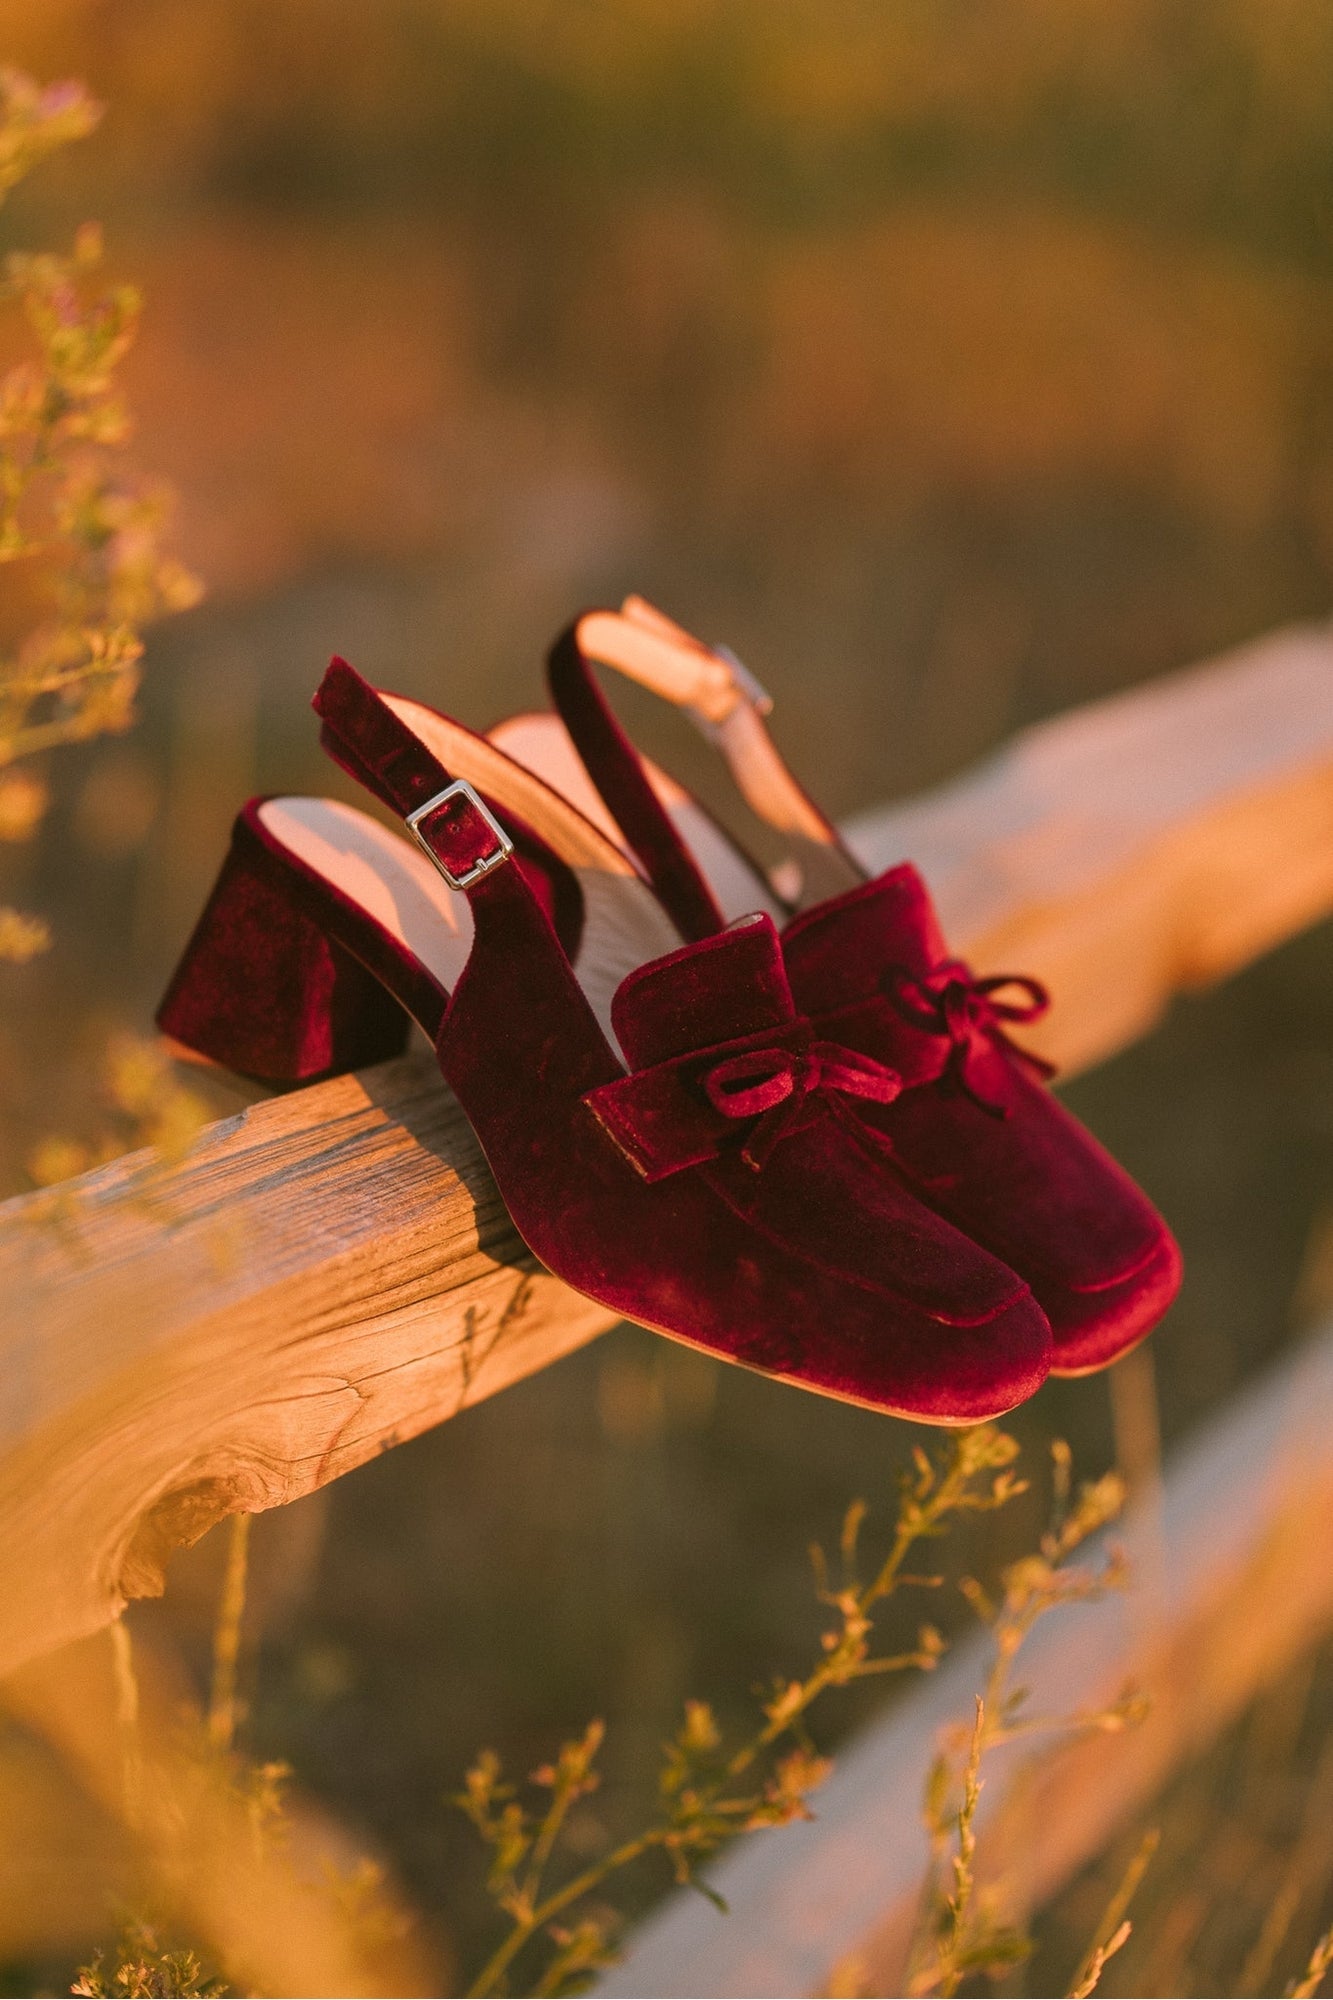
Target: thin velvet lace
<point>948,1001</point>
<point>772,1085</point>
<point>678,1112</point>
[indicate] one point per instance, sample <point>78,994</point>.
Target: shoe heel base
<point>263,990</point>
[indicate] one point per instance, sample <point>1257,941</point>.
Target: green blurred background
<point>956,362</point>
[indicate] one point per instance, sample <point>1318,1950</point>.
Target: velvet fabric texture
<point>287,980</point>
<point>693,1080</point>
<point>976,1133</point>
<point>614,767</point>
<point>799,1257</point>
<point>972,1132</point>
<point>813,1267</point>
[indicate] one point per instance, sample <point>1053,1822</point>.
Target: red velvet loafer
<point>670,1136</point>
<point>975,1132</point>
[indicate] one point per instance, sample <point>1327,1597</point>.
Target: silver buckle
<point>504,846</point>
<point>749,684</point>
<point>751,688</point>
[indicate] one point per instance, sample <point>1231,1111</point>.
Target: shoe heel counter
<point>262,988</point>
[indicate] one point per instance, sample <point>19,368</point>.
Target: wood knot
<point>175,1521</point>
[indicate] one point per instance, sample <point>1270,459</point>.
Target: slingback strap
<point>615,767</point>
<point>444,814</point>
<point>727,704</point>
<point>721,697</point>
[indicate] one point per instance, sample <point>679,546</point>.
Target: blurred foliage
<point>785,255</point>
<point>85,542</point>
<point>966,1927</point>
<point>66,510</point>
<point>150,1106</point>
<point>141,1967</point>
<point>1241,1880</point>
<point>36,121</point>
<point>1215,114</point>
<point>217,1874</point>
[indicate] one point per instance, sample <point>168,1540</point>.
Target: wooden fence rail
<point>331,1272</point>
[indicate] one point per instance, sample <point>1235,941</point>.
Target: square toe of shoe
<point>1092,1328</point>
<point>828,1199</point>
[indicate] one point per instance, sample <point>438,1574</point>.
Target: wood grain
<point>327,1274</point>
<point>331,1272</point>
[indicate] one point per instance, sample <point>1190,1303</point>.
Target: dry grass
<point>222,1870</point>
<point>1241,1882</point>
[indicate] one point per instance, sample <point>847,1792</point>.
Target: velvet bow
<point>949,1001</point>
<point>771,1085</point>
<point>685,1111</point>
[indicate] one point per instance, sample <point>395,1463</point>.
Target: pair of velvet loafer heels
<point>779,1123</point>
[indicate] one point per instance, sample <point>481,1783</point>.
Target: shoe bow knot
<point>684,1111</point>
<point>771,1084</point>
<point>948,1001</point>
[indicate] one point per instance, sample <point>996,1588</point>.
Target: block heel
<point>265,991</point>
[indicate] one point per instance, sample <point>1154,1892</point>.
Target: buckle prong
<point>748,687</point>
<point>749,684</point>
<point>504,846</point>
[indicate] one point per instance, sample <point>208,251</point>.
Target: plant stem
<point>127,1720</point>
<point>227,1636</point>
<point>1084,1980</point>
<point>883,1584</point>
<point>560,1899</point>
<point>1320,1960</point>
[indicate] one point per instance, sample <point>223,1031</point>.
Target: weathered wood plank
<point>327,1274</point>
<point>1243,1534</point>
<point>332,1271</point>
